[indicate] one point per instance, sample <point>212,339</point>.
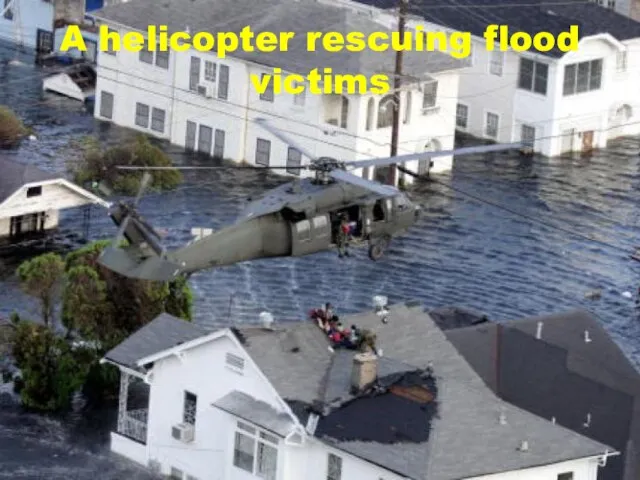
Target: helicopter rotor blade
<point>263,122</point>
<point>381,162</point>
<point>214,167</point>
<point>146,178</point>
<point>348,177</point>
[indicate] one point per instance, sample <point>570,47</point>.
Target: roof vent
<point>587,423</point>
<point>266,319</point>
<point>503,418</point>
<point>587,338</point>
<point>312,423</point>
<point>553,420</point>
<point>539,331</point>
<point>380,304</point>
<point>524,446</point>
<point>364,371</point>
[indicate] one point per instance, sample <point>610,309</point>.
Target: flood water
<point>537,259</point>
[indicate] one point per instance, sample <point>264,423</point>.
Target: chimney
<point>364,372</point>
<point>539,331</point>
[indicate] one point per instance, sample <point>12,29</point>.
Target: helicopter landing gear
<point>378,247</point>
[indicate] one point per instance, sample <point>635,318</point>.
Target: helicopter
<point>293,220</point>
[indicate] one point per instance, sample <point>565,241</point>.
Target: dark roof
<point>311,377</point>
<point>162,333</point>
<point>298,16</point>
<point>563,376</point>
<point>531,16</point>
<point>14,175</point>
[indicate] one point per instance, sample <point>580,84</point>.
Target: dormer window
<point>34,191</point>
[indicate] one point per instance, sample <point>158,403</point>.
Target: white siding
<point>28,17</point>
<point>585,469</point>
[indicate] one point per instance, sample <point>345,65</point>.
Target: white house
<point>204,103</point>
<point>557,102</point>
<point>280,403</point>
<point>27,23</point>
<point>31,199</point>
<point>630,8</point>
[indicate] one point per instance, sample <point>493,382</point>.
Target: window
<point>533,76</point>
<point>294,159</point>
<point>344,112</point>
<point>162,59</point>
<point>371,105</point>
<point>146,56</point>
<point>491,127</point>
<point>34,191</point>
<point>209,71</point>
<point>190,140</point>
<point>430,95</point>
<point>142,115</point>
<point>223,82</point>
<point>385,111</point>
<point>462,116</point>
<point>621,61</point>
<point>267,96</point>
<point>194,73</point>
<point>263,151</point>
<point>528,136</point>
<point>106,104</point>
<point>205,138</point>
<point>334,467</point>
<point>8,14</point>
<point>565,476</point>
<point>256,452</point>
<point>582,77</point>
<point>157,120</point>
<point>407,108</point>
<point>189,408</point>
<point>496,63</point>
<point>234,361</point>
<point>299,98</point>
<point>218,144</point>
<point>303,229</point>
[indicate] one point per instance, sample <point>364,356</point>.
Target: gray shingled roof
<point>562,376</point>
<point>256,411</point>
<point>14,175</point>
<point>467,439</point>
<point>299,16</point>
<point>162,333</point>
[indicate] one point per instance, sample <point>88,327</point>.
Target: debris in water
<point>627,295</point>
<point>593,294</point>
<point>32,137</point>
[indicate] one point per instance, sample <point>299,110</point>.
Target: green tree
<point>41,277</point>
<point>11,128</point>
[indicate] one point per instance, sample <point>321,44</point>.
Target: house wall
<point>90,54</point>
<point>131,81</point>
<point>584,469</point>
<point>28,17</point>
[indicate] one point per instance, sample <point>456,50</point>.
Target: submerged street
<point>464,251</point>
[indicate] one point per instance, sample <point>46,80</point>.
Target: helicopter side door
<point>310,236</point>
<point>382,216</point>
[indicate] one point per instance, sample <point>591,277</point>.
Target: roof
<point>162,333</point>
<point>299,16</point>
<point>14,175</point>
<point>299,364</point>
<point>255,411</point>
<point>562,376</point>
<point>531,16</point>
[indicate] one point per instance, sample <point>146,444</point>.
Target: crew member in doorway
<point>343,237</point>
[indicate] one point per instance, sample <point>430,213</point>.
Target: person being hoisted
<point>343,237</point>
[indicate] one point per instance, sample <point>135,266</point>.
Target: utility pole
<point>397,82</point>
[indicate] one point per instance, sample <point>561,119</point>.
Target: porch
<point>130,437</point>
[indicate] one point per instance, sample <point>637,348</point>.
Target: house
<point>207,104</point>
<point>563,367</point>
<point>630,8</point>
<point>27,23</point>
<point>554,102</point>
<point>278,402</point>
<point>31,199</point>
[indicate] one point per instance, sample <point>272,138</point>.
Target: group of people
<point>339,335</point>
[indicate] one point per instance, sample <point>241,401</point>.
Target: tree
<point>42,278</point>
<point>11,128</point>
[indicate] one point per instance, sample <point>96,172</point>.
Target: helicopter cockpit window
<point>303,229</point>
<point>320,226</point>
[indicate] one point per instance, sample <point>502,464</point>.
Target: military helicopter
<point>292,220</point>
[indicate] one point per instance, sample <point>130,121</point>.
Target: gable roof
<point>299,364</point>
<point>562,376</point>
<point>299,16</point>
<point>14,175</point>
<point>162,333</point>
<point>530,16</point>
